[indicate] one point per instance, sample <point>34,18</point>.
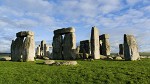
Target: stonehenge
<point>130,48</point>
<point>95,53</point>
<point>64,44</point>
<point>23,47</point>
<point>104,44</point>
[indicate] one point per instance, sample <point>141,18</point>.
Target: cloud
<point>114,17</point>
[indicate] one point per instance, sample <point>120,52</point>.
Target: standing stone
<point>38,52</point>
<point>85,46</point>
<point>105,46</point>
<point>57,47</point>
<point>12,50</point>
<point>69,46</point>
<point>121,49</point>
<point>17,47</point>
<point>29,48</point>
<point>46,48</point>
<point>42,48</point>
<point>130,48</point>
<point>95,43</point>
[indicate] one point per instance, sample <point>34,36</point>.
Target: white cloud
<point>112,17</point>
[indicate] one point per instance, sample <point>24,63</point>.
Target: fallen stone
<point>49,62</point>
<point>5,59</point>
<point>118,58</point>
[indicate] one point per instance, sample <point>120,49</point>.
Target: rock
<point>85,46</point>
<point>103,57</point>
<point>29,49</point>
<point>69,46</point>
<point>42,48</point>
<point>5,59</point>
<point>69,63</point>
<point>38,51</point>
<point>16,49</point>
<point>46,50</point>
<point>57,47</point>
<point>95,53</point>
<point>64,31</point>
<point>110,58</point>
<point>49,62</point>
<point>104,45</point>
<point>118,58</point>
<point>24,34</point>
<point>130,48</point>
<point>45,58</point>
<point>121,49</point>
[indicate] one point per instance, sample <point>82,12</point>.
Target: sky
<point>113,17</point>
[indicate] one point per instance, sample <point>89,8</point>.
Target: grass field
<point>87,72</point>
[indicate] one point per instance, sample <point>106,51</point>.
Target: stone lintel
<point>24,34</point>
<point>64,30</point>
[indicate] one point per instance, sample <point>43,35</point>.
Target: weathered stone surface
<point>118,58</point>
<point>38,51</point>
<point>24,34</point>
<point>67,63</point>
<point>130,48</point>
<point>46,48</point>
<point>16,49</point>
<point>29,49</point>
<point>42,44</point>
<point>85,46</point>
<point>49,62</point>
<point>104,44</point>
<point>64,31</point>
<point>69,46</point>
<point>12,50</point>
<point>95,43</point>
<point>5,59</point>
<point>121,49</point>
<point>23,48</point>
<point>57,47</point>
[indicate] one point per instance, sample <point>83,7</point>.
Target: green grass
<point>87,72</point>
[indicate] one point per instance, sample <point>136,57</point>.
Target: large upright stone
<point>57,47</point>
<point>130,48</point>
<point>95,43</point>
<point>42,48</point>
<point>38,51</point>
<point>85,46</point>
<point>121,49</point>
<point>29,48</point>
<point>105,45</point>
<point>12,50</point>
<point>46,50</point>
<point>17,47</point>
<point>69,46</point>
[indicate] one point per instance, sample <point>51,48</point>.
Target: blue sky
<point>114,17</point>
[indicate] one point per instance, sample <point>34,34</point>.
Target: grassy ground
<point>87,72</point>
